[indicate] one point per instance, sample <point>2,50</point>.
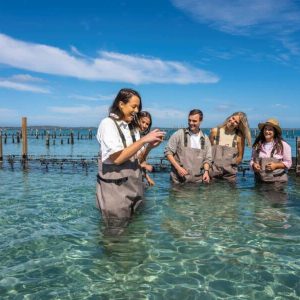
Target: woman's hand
<point>256,167</point>
<point>150,181</point>
<point>238,160</point>
<point>273,166</point>
<point>154,137</point>
<point>147,167</point>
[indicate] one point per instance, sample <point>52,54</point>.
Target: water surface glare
<point>210,242</point>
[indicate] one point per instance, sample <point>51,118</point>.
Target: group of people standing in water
<point>126,139</point>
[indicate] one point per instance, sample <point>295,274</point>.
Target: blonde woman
<point>228,143</point>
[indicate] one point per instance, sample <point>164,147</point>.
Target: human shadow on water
<point>275,193</point>
<point>271,210</point>
<point>126,250</point>
<point>193,209</point>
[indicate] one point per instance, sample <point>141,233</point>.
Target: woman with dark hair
<point>228,143</point>
<point>119,179</point>
<point>271,155</point>
<point>145,123</point>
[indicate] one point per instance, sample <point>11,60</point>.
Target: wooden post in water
<point>72,137</point>
<point>18,137</point>
<point>1,152</point>
<point>47,139</point>
<point>298,156</point>
<point>24,138</point>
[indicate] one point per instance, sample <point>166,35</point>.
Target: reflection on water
<point>210,242</point>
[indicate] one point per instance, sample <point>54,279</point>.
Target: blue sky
<point>62,62</point>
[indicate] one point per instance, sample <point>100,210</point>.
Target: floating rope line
<point>160,164</point>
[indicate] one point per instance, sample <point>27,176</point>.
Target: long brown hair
<point>145,114</point>
<point>260,139</point>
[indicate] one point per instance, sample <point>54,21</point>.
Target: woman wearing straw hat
<point>271,155</point>
<point>228,143</point>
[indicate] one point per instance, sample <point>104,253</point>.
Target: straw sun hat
<point>271,122</point>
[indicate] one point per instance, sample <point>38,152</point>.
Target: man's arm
<point>181,171</point>
<point>207,160</point>
<point>171,149</point>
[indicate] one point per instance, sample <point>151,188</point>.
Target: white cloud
<point>167,113</point>
<point>8,116</point>
<point>108,66</point>
<point>275,20</point>
<point>224,107</point>
<point>93,98</point>
<point>280,106</point>
<point>76,51</point>
<point>4,83</point>
<point>83,109</point>
<point>292,46</point>
<point>26,78</point>
<point>7,111</point>
<point>241,17</point>
<point>83,115</point>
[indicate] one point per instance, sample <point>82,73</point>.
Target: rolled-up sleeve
<point>109,138</point>
<point>208,156</point>
<point>173,143</point>
<point>287,155</point>
<point>254,157</point>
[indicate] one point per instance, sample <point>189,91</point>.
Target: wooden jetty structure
<point>298,156</point>
<point>1,148</point>
<point>84,163</point>
<point>160,164</point>
<point>24,138</point>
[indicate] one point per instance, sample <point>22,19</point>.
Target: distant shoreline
<point>47,127</point>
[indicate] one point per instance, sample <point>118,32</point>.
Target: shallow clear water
<point>215,241</point>
<point>209,242</point>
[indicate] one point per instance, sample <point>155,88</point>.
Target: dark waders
<point>271,183</point>
<point>224,159</point>
<point>119,189</point>
<point>191,159</point>
<point>278,175</point>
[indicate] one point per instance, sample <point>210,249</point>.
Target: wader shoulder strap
<point>185,134</point>
<point>217,137</point>
<point>273,151</point>
<point>202,142</point>
<point>257,150</point>
<point>132,133</point>
<point>120,133</point>
<point>234,142</point>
